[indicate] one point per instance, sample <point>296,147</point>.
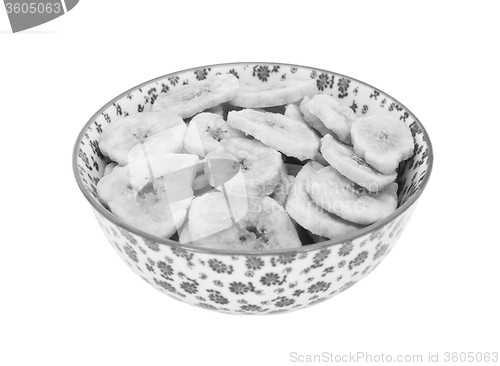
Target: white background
<point>66,298</point>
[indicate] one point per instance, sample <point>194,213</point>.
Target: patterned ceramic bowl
<point>254,282</point>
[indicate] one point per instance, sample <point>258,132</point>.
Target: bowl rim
<point>193,248</point>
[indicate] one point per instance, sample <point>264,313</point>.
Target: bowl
<point>244,282</point>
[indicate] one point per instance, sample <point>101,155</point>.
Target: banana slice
<point>205,131</point>
<point>338,195</point>
<point>347,163</point>
<point>109,168</point>
<point>126,138</point>
<point>153,194</point>
<point>187,100</point>
<point>333,115</point>
<point>259,167</point>
<point>273,94</point>
<point>235,223</point>
<point>382,141</point>
<point>289,136</point>
<point>311,216</point>
<point>311,119</point>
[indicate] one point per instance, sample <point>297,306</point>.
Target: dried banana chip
<point>382,141</point>
<point>311,119</point>
<point>153,196</point>
<point>273,94</point>
<point>308,214</point>
<point>335,116</point>
<point>157,133</point>
<point>205,132</point>
<point>342,197</point>
<point>187,100</point>
<point>289,136</point>
<point>350,165</point>
<point>255,171</point>
<point>235,223</point>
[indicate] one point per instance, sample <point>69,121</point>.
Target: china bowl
<point>254,282</point>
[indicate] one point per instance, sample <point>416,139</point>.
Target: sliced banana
<point>308,214</point>
<point>205,132</point>
<point>273,94</point>
<point>126,138</point>
<point>159,218</point>
<point>350,165</point>
<point>289,136</point>
<point>187,100</point>
<point>311,119</point>
<point>235,223</point>
<point>153,194</point>
<point>335,116</point>
<point>342,197</point>
<point>382,141</point>
<point>255,170</point>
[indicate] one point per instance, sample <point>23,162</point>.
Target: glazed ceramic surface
<point>254,282</point>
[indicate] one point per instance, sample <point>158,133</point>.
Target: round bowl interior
<point>229,274</point>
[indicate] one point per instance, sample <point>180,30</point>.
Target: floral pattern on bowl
<point>255,282</point>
